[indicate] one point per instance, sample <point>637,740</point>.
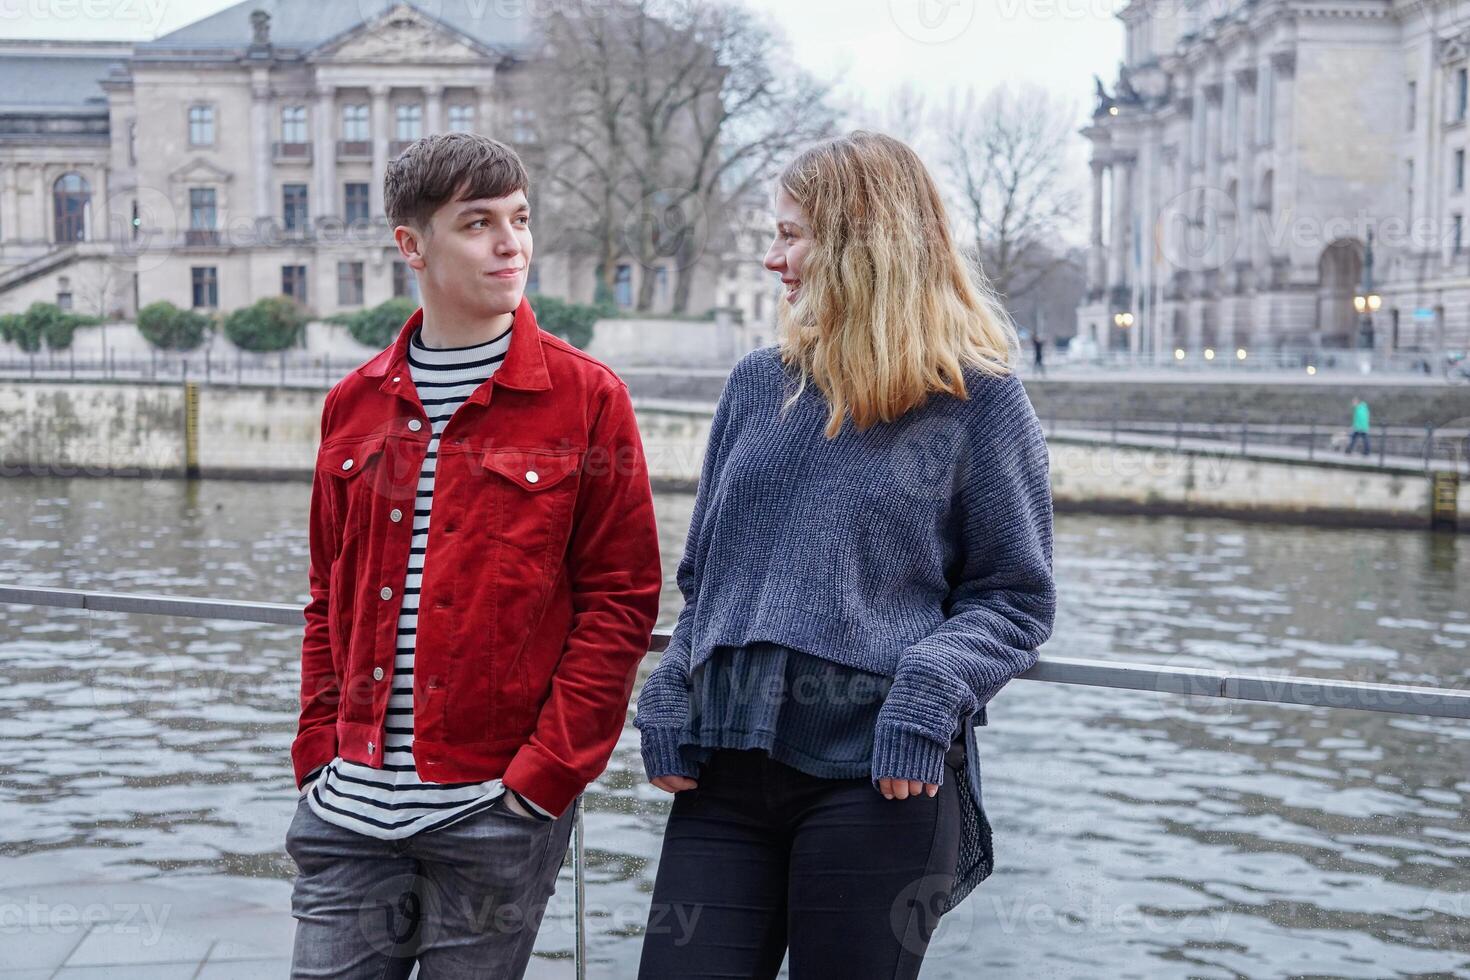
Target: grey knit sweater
<point>919,549</point>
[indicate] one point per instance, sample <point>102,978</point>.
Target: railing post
<point>71,357</point>
<point>1178,433</point>
<point>206,366</point>
<point>1382,444</point>
<point>1244,435</point>
<point>1428,444</point>
<point>283,369</point>
<point>239,366</point>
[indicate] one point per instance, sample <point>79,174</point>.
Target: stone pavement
<point>62,918</point>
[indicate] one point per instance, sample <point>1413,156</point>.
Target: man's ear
<point>410,245</point>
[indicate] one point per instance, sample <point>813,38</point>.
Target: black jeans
<point>761,856</point>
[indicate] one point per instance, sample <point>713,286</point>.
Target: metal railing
<point>309,365</point>
<point>1309,691</point>
<point>1333,361</point>
<point>1399,445</point>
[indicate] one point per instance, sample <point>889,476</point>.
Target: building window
<point>71,198</point>
<point>623,285</point>
<point>63,292</point>
<point>661,285</point>
<point>293,282</point>
<point>349,283</point>
<point>1413,108</point>
<point>1458,227</point>
<point>409,122</point>
<point>202,214</point>
<point>461,118</point>
<point>355,201</point>
<point>523,125</point>
<point>405,283</point>
<point>205,286</point>
<point>355,122</point>
<point>201,125</point>
<point>293,124</point>
<point>1459,170</point>
<point>1462,89</point>
<point>294,206</point>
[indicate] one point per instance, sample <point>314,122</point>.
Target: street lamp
<point>1367,302</point>
<point>1123,320</point>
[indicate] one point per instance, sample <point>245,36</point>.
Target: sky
<point>868,49</point>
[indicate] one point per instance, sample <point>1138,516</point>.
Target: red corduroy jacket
<point>540,585</point>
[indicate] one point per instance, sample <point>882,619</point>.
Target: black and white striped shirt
<point>392,802</point>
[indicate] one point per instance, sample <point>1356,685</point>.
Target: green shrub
<point>49,322</point>
<point>13,331</point>
<point>572,322</point>
<point>168,327</point>
<point>379,326</point>
<point>271,324</point>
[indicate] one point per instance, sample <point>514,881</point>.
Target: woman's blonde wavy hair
<point>889,309</point>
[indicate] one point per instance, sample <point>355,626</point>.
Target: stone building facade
<point>1254,156</point>
<point>243,155</point>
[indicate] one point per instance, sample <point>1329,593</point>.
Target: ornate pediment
<point>400,34</point>
<point>1454,49</point>
<point>200,171</point>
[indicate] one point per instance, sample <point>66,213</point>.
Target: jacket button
<point>532,476</point>
<point>415,425</point>
<point>396,515</point>
<point>377,673</point>
<point>347,464</point>
<point>396,377</point>
<point>386,592</point>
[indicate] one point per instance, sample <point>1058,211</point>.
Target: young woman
<point>868,563</point>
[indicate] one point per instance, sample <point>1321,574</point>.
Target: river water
<point>1137,834</point>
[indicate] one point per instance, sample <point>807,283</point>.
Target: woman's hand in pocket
<point>674,784</point>
<point>902,789</point>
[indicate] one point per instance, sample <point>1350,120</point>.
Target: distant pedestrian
<point>1360,426</point>
<point>1039,343</point>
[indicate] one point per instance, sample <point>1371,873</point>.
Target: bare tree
<point>1008,157</point>
<point>98,288</point>
<point>659,113</point>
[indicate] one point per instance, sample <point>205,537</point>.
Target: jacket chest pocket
<point>361,479</point>
<point>533,491</point>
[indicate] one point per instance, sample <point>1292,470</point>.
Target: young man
<point>484,580</point>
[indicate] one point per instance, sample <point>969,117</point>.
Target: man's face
<point>477,253</point>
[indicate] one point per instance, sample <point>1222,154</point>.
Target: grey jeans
<point>463,900</point>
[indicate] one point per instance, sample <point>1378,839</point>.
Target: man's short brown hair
<point>435,170</point>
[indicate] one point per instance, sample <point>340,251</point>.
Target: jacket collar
<point>524,366</point>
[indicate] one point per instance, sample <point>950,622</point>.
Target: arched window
<point>71,195</point>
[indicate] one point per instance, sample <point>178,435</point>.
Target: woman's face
<point>793,238</point>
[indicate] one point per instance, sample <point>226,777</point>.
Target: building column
<point>44,205</point>
<point>9,214</point>
<point>324,154</point>
<point>380,147</point>
<point>260,138</point>
<point>433,109</point>
<point>485,112</point>
<point>1096,270</point>
<point>101,209</point>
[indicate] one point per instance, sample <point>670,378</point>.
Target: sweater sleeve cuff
<point>661,755</point>
<point>900,754</point>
